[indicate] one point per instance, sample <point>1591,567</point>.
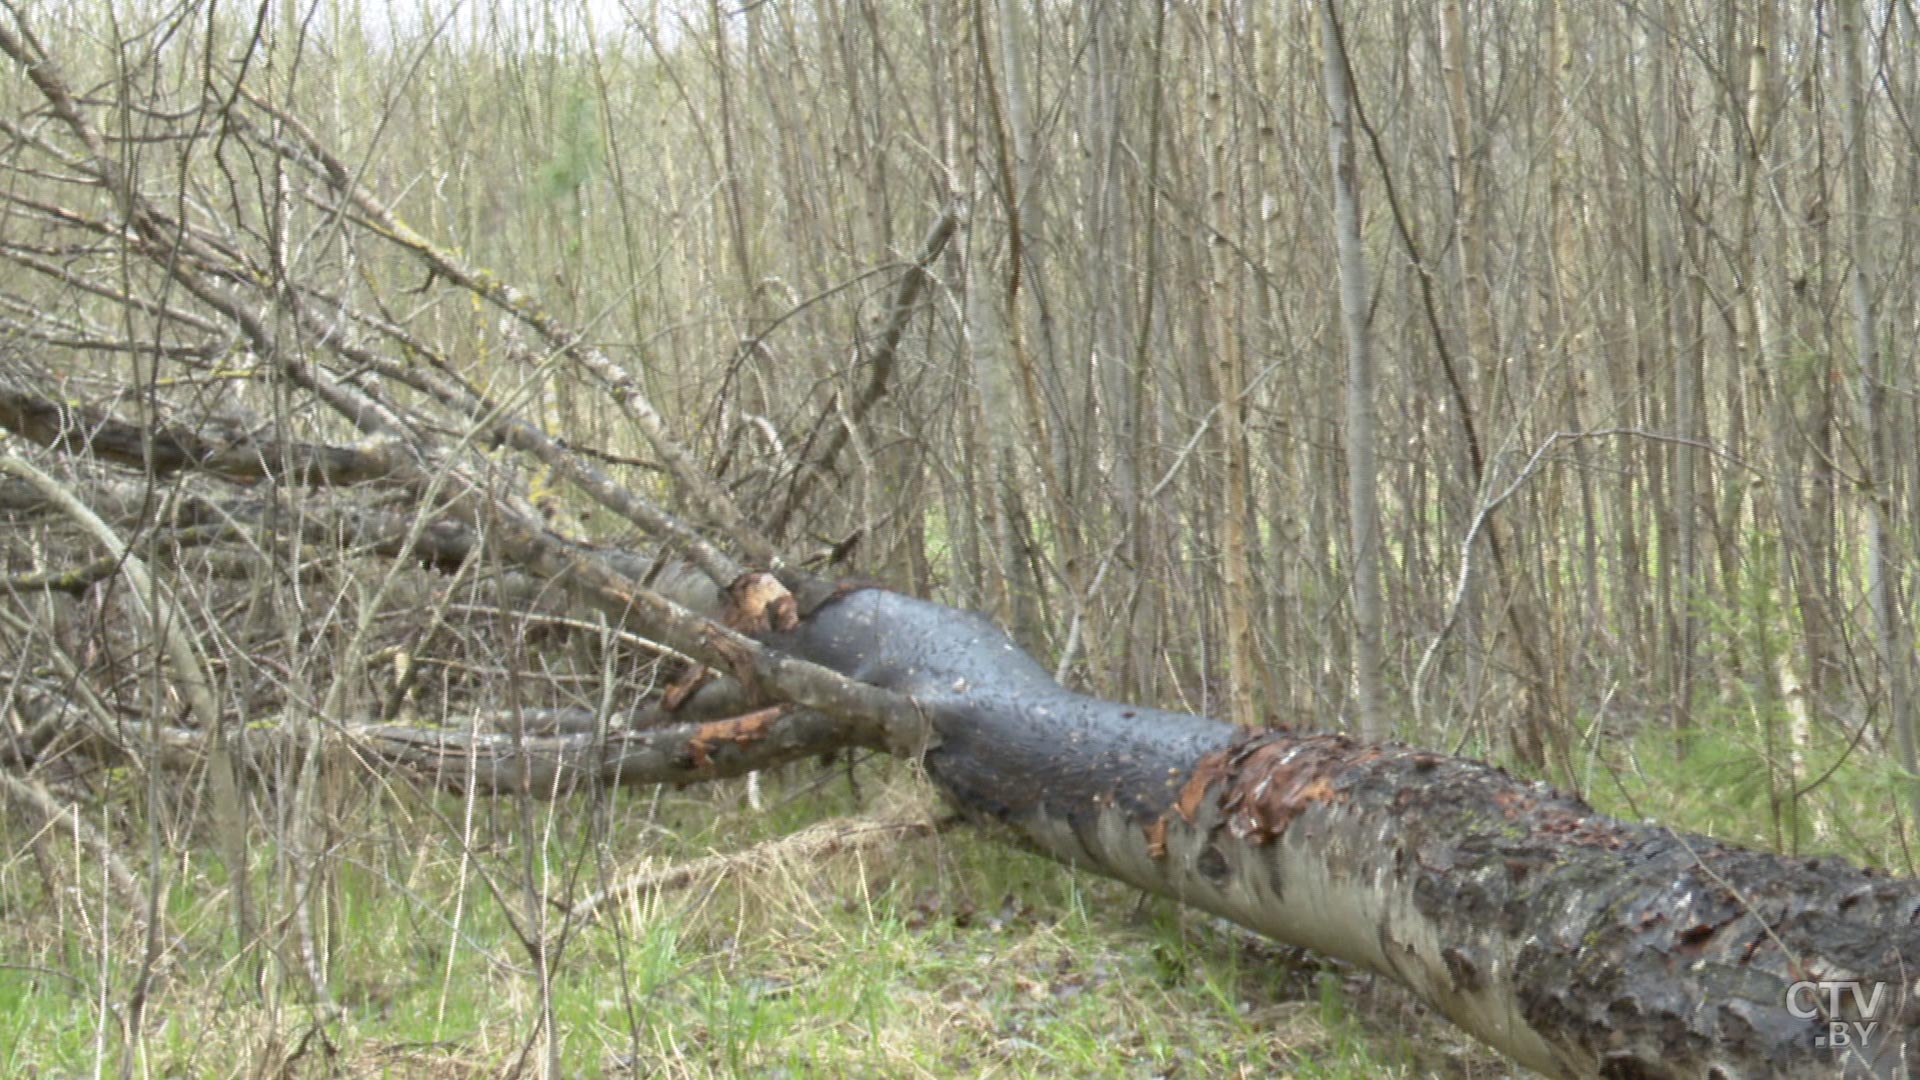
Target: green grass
<point>1734,777</point>
<point>941,955</point>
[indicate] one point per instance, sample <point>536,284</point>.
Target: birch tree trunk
<point>1363,497</point>
<point>1238,599</point>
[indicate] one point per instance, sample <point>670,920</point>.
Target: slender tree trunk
<point>1363,496</point>
<point>1239,594</point>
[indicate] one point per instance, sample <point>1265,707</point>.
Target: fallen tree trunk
<point>1574,943</point>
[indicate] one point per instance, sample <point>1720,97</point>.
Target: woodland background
<point>1611,474</point>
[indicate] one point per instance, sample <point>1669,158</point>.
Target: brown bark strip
<point>1268,777</point>
<point>737,730</point>
<point>687,685</point>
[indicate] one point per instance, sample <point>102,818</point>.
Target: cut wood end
<point>758,603</point>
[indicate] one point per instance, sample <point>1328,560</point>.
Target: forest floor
<point>937,954</point>
<point>834,931</point>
